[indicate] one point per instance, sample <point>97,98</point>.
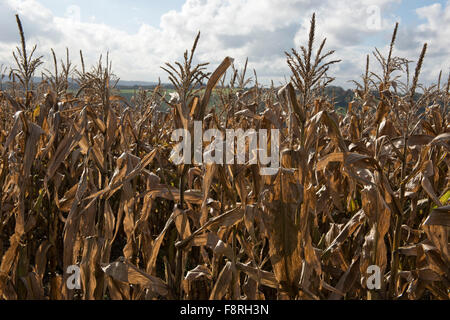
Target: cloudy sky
<point>141,35</point>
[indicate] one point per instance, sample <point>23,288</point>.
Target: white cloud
<point>258,29</point>
<point>435,31</point>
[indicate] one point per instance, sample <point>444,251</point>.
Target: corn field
<point>86,181</point>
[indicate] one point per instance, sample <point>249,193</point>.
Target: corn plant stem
<point>398,223</point>
<point>179,251</point>
<point>370,295</point>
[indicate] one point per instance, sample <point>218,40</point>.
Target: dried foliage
<point>85,180</point>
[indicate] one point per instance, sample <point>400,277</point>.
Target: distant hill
<point>126,83</point>
<point>339,95</point>
<point>121,83</point>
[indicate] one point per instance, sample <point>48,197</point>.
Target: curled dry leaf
<point>125,272</point>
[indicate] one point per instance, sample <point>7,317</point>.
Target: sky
<point>142,35</point>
